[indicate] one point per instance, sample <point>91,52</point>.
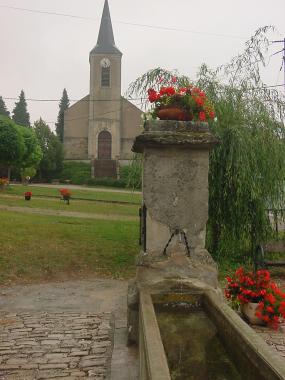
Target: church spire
<point>106,42</point>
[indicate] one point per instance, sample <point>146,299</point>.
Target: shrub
<point>77,173</point>
<point>106,182</point>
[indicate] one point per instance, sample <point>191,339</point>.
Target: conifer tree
<point>3,108</point>
<point>63,105</point>
<point>20,113</point>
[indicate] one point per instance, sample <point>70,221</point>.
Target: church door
<point>104,145</point>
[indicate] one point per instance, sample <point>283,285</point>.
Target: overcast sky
<point>43,53</point>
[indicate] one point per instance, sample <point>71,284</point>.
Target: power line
<point>126,23</point>
<point>74,100</point>
<point>112,100</point>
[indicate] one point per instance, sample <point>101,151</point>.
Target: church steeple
<point>106,43</point>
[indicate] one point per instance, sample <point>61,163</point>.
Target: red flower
<point>167,91</point>
<point>270,309</point>
<point>173,79</point>
<point>199,101</point>
<point>258,314</point>
<point>182,90</point>
<point>152,95</point>
<point>202,116</point>
<point>270,298</point>
<point>196,90</point>
<point>65,192</point>
<point>212,114</point>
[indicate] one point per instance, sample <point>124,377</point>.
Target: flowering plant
<point>28,194</point>
<point>192,101</point>
<point>244,287</point>
<point>66,194</point>
<point>272,306</point>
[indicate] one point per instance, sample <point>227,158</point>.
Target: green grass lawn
<point>74,206</point>
<point>36,248</point>
<point>76,193</point>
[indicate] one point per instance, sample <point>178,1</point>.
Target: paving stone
<point>53,366</point>
<point>46,346</point>
<point>18,362</point>
<point>50,342</point>
<point>79,353</point>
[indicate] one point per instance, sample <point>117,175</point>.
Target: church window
<point>105,77</point>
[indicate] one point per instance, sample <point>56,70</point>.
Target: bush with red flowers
<point>244,287</point>
<point>192,101</point>
<point>65,194</point>
<point>272,307</point>
<point>28,195</point>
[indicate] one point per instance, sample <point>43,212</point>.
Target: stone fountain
<point>174,212</point>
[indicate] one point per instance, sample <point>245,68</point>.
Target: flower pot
<point>174,113</point>
<point>248,311</point>
<point>27,197</point>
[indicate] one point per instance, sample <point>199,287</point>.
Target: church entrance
<point>104,166</point>
<point>104,145</point>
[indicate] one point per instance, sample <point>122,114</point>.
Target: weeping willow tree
<point>247,169</point>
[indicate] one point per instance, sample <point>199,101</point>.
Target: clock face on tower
<point>105,62</point>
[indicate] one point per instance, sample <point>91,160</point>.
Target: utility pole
<point>283,58</point>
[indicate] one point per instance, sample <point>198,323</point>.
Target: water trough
<point>225,348</point>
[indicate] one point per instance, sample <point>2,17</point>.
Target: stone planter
<point>174,113</point>
<point>248,311</point>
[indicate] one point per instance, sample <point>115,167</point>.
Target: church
<point>101,127</point>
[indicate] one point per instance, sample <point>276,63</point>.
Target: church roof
<point>106,42</point>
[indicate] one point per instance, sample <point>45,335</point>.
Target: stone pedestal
<point>175,204</point>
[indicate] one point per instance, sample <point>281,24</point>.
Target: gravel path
<point>75,214</point>
<point>78,187</point>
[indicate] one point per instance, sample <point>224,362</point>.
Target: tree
<point>12,144</point>
<point>63,105</point>
<point>52,160</point>
<point>3,108</point>
<point>20,113</point>
<point>32,153</point>
<point>247,169</point>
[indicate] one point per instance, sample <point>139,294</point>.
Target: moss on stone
<point>165,138</point>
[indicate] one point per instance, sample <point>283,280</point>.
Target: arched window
<point>105,76</point>
<point>104,145</point>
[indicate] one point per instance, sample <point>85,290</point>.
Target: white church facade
<point>101,127</point>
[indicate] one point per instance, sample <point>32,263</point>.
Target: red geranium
<point>65,192</point>
<point>244,287</point>
<point>192,101</point>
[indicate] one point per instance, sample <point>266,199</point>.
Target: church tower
<point>101,127</point>
<point>104,136</point>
